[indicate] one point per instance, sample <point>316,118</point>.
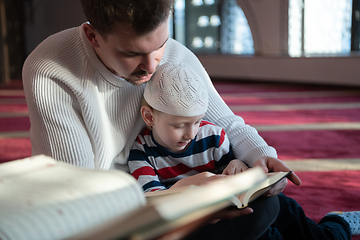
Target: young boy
<point>177,143</point>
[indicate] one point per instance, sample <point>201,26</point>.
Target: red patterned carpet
<point>315,129</point>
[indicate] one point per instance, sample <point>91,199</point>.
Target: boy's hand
<point>235,166</point>
<point>199,179</point>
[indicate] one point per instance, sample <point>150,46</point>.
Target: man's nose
<point>148,63</point>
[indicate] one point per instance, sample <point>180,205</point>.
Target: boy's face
<point>173,132</point>
<point>129,55</point>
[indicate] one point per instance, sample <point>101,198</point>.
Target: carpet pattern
<point>315,129</point>
<point>14,123</point>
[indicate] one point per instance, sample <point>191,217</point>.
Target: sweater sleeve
<point>246,142</point>
<point>57,127</point>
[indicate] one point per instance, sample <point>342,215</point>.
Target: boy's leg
<point>293,224</point>
<point>248,227</point>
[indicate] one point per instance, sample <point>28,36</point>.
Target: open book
<point>41,198</point>
<point>259,189</point>
<point>242,200</point>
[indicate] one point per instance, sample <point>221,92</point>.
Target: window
<point>319,26</point>
<point>212,26</point>
<point>236,37</point>
<point>355,26</point>
<point>314,26</point>
<point>202,20</point>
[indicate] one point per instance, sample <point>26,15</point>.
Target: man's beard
<point>138,75</point>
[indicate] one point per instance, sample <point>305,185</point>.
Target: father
<point>84,87</point>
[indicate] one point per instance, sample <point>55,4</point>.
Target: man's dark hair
<point>142,15</point>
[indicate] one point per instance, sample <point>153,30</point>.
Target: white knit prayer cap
<point>177,89</point>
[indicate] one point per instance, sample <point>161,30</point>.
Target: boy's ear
<point>148,115</point>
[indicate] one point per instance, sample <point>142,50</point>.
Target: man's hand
<point>270,164</point>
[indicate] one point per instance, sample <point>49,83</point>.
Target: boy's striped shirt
<point>155,167</point>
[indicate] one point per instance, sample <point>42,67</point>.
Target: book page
<point>236,200</point>
<point>155,194</point>
<point>45,199</point>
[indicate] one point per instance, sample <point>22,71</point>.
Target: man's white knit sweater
<point>83,114</point>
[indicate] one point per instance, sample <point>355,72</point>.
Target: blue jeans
<point>292,224</point>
